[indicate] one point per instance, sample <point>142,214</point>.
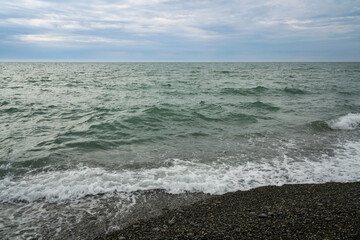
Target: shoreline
<point>299,211</point>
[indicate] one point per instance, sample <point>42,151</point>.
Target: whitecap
<point>350,121</point>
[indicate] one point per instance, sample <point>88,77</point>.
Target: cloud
<point>44,23</point>
<point>138,17</point>
<point>59,38</point>
<point>176,22</point>
<point>192,19</point>
<point>56,38</point>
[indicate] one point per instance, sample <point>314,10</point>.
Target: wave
<point>162,121</point>
<point>157,114</point>
<point>244,91</point>
<point>350,121</point>
<point>11,110</point>
<point>179,176</point>
<point>227,117</point>
<point>160,111</point>
<point>294,91</point>
<point>108,126</point>
<point>263,106</point>
<point>3,103</point>
<point>320,126</point>
<point>260,90</point>
<point>226,72</point>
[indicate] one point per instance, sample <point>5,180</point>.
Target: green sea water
<point>72,131</point>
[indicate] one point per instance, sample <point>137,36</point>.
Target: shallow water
<point>72,131</point>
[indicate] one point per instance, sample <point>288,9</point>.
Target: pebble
<point>171,221</point>
<point>298,216</point>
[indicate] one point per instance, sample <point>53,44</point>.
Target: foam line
<point>182,176</point>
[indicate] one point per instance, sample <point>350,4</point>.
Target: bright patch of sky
<point>174,30</point>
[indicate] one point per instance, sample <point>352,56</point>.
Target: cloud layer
<point>181,30</point>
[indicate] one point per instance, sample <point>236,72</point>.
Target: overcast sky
<point>172,30</point>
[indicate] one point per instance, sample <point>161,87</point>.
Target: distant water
<point>85,141</point>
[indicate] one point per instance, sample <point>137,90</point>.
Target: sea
<point>86,148</point>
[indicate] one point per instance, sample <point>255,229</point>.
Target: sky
<point>180,30</point>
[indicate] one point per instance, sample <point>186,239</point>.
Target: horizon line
<point>62,61</point>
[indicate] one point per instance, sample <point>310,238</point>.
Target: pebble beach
<point>301,211</point>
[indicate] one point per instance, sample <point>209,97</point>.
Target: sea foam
<point>350,121</point>
<point>184,176</point>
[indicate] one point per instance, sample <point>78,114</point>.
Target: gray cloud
<point>217,27</point>
<point>193,19</point>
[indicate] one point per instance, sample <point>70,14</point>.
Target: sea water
<point>83,145</point>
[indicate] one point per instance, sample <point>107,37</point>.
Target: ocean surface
<point>83,145</point>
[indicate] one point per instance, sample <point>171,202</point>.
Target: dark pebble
<point>302,211</point>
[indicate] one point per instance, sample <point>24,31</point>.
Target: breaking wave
<point>181,176</point>
<point>350,121</point>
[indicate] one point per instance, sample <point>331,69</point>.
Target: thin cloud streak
<point>62,38</point>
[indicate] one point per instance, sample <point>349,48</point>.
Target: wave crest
<point>350,121</point>
<point>294,90</point>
